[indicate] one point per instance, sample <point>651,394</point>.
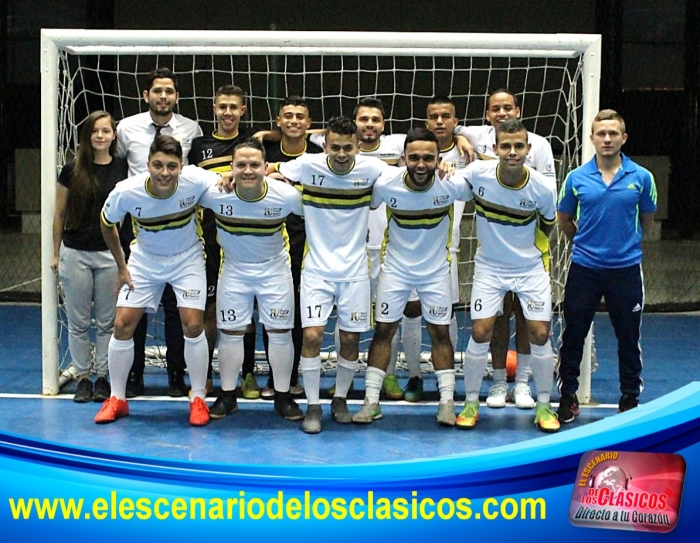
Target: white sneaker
<point>522,396</point>
<point>497,395</point>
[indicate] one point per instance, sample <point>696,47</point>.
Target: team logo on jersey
<point>528,204</point>
<point>276,313</point>
<point>437,311</point>
<point>358,316</point>
<point>273,211</point>
<point>548,168</point>
<point>363,182</point>
<point>187,202</point>
<point>536,306</point>
<point>442,199</point>
<point>191,294</point>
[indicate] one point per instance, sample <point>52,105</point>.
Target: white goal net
<point>555,77</point>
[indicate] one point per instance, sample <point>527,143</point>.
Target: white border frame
<point>133,42</point>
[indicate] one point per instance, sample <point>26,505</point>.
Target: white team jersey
<point>336,209</point>
<point>417,239</point>
<point>540,157</point>
<point>507,220</point>
<point>452,157</point>
<point>162,226</point>
<point>136,133</point>
<point>389,150</point>
<point>252,233</point>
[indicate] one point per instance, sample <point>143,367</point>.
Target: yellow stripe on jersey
<point>166,222</point>
<point>423,218</point>
<point>336,198</point>
<point>218,164</point>
<point>503,215</point>
<point>249,227</point>
<point>105,221</point>
<point>542,244</point>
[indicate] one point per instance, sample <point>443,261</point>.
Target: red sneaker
<point>112,409</point>
<point>199,412</point>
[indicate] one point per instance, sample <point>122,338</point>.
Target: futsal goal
<point>555,77</point>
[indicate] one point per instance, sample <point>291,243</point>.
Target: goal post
<point>556,76</point>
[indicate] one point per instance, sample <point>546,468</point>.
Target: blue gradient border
<point>544,467</point>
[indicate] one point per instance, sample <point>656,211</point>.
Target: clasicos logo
<point>628,491</point>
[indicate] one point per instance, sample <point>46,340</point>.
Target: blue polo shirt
<point>609,234</point>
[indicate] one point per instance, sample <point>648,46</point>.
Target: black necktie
<point>158,129</point>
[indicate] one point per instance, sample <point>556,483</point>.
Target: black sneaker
<point>224,405</point>
<point>287,407</point>
<point>568,408</point>
<point>102,390</point>
<point>339,410</point>
<point>627,402</point>
<point>134,386</point>
<point>83,393</point>
<point>176,385</point>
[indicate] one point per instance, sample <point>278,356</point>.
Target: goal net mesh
<point>549,91</point>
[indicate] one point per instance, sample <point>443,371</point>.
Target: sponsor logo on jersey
<point>441,199</point>
<point>187,202</point>
<point>273,211</point>
<point>548,168</point>
<point>363,182</point>
<point>528,204</point>
<point>536,306</point>
<point>276,313</point>
<point>358,316</point>
<point>191,294</point>
<point>437,310</point>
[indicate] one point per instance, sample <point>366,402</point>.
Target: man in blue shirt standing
<point>605,206</point>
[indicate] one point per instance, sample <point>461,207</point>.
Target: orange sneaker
<point>199,412</point>
<point>112,409</point>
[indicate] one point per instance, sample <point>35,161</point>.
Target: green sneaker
<point>250,388</point>
<point>546,419</point>
<point>413,390</point>
<point>391,388</point>
<point>469,416</point>
<point>370,412</point>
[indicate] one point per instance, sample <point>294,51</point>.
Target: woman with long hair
<point>81,259</point>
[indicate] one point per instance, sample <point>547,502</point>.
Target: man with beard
<point>415,257</point>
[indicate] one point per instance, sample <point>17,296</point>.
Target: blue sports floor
<point>158,426</point>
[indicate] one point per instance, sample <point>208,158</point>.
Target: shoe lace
<point>470,410</point>
<point>521,388</point>
<point>546,414</point>
<point>499,389</point>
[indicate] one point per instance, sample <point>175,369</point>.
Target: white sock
<point>454,337</point>
<point>446,384</point>
<point>542,360</point>
<point>344,376</point>
<point>391,368</point>
<point>499,376</point>
<point>523,369</point>
<point>411,334</point>
<point>197,360</point>
<point>336,338</point>
<point>311,372</point>
<point>374,377</point>
<point>231,354</point>
<point>475,359</point>
<point>120,357</point>
<point>281,354</point>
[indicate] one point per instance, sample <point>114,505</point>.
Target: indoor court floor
<point>158,427</point>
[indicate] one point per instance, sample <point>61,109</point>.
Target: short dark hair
<point>503,90</point>
<point>342,125</point>
<point>419,133</point>
<point>294,101</point>
<point>511,126</point>
<point>369,101</point>
<point>441,99</point>
<point>167,145</point>
<point>229,90</point>
<point>160,73</point>
<point>250,143</point>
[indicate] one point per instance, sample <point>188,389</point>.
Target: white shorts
<point>351,298</point>
<point>150,273</point>
<point>454,276</point>
<point>375,269</point>
<point>534,292</point>
<point>393,294</point>
<point>235,300</point>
